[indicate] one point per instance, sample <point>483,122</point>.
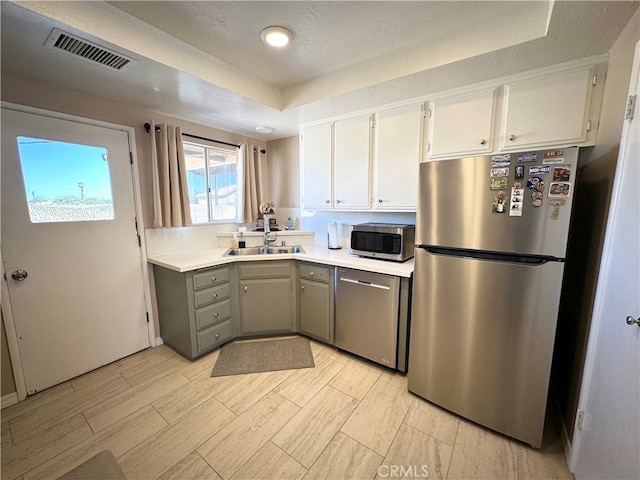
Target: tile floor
<point>164,417</point>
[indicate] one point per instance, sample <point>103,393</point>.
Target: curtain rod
<point>147,127</point>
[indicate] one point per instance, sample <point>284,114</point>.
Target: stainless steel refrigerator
<point>491,240</point>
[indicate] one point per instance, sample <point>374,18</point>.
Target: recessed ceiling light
<point>276,36</point>
<point>262,129</point>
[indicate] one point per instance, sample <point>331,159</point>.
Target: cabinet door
<point>461,125</point>
<point>352,146</point>
<point>266,305</point>
<point>549,110</point>
<point>398,146</point>
<point>315,309</point>
<point>316,166</point>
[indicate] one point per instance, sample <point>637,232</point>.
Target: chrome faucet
<point>267,231</point>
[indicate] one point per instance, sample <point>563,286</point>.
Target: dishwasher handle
<point>365,283</point>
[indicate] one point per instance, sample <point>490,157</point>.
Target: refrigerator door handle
<point>491,256</point>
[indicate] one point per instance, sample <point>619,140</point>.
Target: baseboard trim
<point>564,434</point>
<point>566,444</point>
<point>159,342</point>
<point>8,400</point>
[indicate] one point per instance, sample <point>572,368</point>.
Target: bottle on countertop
<point>235,241</point>
<point>241,241</point>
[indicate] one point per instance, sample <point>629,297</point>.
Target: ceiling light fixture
<point>276,36</point>
<point>262,129</point>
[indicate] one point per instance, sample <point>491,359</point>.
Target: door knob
<point>631,321</point>
<point>19,275</point>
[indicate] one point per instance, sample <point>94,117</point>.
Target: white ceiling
<point>205,62</point>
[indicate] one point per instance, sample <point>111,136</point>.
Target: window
<point>65,182</point>
<point>212,177</point>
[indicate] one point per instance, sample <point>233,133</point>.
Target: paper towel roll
<point>333,239</point>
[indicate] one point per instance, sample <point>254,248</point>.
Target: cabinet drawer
<point>213,336</point>
<point>318,273</point>
<point>209,278</point>
<point>211,314</point>
<point>211,295</point>
<point>267,269</point>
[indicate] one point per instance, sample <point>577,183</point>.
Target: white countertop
<point>188,261</point>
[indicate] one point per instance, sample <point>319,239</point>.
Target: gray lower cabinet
<point>315,301</point>
<point>266,294</point>
<point>195,309</point>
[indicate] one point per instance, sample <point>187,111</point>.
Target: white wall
<point>608,441</point>
<point>605,444</point>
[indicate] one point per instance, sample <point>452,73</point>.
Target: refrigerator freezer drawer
<point>482,337</point>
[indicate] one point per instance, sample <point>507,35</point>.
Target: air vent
<point>87,50</point>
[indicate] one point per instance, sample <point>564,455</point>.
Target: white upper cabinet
<point>357,164</point>
<point>547,110</point>
<point>316,149</point>
<point>397,157</point>
<point>352,158</point>
<point>461,125</point>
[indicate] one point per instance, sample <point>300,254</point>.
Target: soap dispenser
<point>235,241</point>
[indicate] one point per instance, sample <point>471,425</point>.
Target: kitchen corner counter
<point>188,261</point>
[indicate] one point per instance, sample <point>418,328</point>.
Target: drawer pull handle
<point>302,287</point>
<point>216,314</point>
<point>246,289</point>
<point>213,279</point>
<point>311,274</point>
<point>215,295</point>
<point>217,336</point>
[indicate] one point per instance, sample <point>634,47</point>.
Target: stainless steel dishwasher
<point>366,315</point>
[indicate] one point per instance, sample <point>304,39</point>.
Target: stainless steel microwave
<point>386,241</point>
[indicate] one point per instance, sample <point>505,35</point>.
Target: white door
<point>351,160</point>
<point>551,110</point>
<point>607,446</point>
<point>462,125</point>
<point>398,145</point>
<point>70,246</point>
<point>316,166</point>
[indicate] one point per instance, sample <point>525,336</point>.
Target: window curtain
<point>171,206</point>
<point>253,188</point>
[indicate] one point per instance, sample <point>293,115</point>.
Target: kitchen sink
<point>263,251</point>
